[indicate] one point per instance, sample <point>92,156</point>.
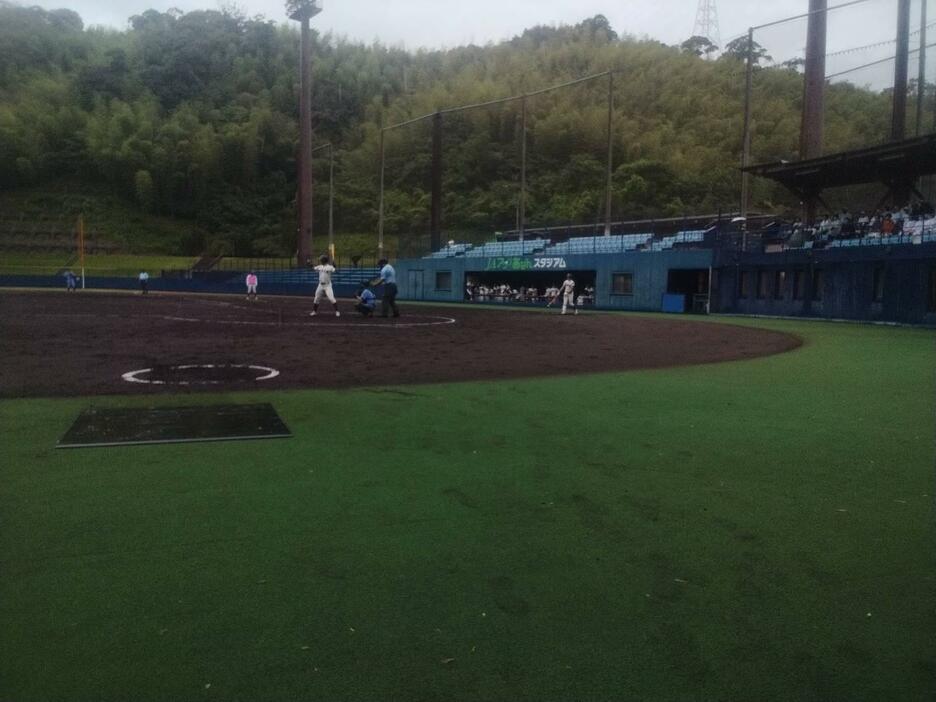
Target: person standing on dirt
<point>324,289</point>
<point>252,286</point>
<point>71,281</point>
<point>388,280</point>
<point>144,282</point>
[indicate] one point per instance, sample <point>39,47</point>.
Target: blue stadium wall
<point>870,283</point>
<point>417,278</point>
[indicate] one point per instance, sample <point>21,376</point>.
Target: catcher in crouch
<point>325,270</point>
<point>567,290</point>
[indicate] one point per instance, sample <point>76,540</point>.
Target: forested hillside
<point>194,116</point>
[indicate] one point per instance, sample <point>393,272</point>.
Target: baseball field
<point>475,505</point>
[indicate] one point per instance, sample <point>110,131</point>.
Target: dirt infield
<point>58,344</point>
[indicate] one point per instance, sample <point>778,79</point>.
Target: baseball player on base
<point>324,289</point>
<point>567,290</point>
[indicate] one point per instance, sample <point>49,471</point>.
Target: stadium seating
<point>508,248</point>
<point>695,236</point>
<point>616,243</point>
<point>450,251</point>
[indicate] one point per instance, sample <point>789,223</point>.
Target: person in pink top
<point>252,286</point>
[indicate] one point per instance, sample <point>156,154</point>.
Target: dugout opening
<point>477,282</point>
<point>692,284</point>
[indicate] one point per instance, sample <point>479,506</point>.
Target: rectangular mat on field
<point>98,426</point>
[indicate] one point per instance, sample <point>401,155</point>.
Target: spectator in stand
<point>887,225</point>
<point>862,224</point>
<point>901,216</point>
<point>848,225</point>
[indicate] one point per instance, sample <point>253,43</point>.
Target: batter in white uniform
<point>324,288</point>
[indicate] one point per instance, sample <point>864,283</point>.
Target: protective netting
<point>482,157</point>
<point>860,62</point>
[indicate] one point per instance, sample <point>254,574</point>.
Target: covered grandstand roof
<point>892,163</point>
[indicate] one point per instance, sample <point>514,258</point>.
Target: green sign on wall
<point>509,264</point>
<point>513,263</point>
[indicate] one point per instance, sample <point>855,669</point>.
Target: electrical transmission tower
<point>706,22</point>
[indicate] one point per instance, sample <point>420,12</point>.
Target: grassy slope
<point>119,221</point>
<point>107,215</point>
<point>719,532</point>
<point>17,263</point>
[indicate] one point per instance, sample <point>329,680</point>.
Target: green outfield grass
<point>759,530</point>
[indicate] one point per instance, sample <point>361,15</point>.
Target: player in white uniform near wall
<point>324,289</point>
<point>567,290</point>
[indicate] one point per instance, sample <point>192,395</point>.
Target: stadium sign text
<point>524,264</point>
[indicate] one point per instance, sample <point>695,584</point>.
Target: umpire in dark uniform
<point>388,280</point>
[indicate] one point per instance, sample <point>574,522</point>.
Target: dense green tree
<point>194,115</point>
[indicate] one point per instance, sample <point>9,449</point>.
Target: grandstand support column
<point>435,225</point>
<point>523,163</point>
<point>607,231</point>
<point>813,117</point>
<point>746,135</point>
<point>380,205</point>
<point>901,72</point>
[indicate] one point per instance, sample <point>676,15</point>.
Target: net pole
<point>380,207</point>
<point>901,70</point>
<point>523,164</point>
<point>435,213</point>
<point>746,137</point>
<point>610,153</point>
<point>331,201</point>
<point>921,79</point>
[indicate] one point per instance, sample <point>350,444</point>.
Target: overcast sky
<point>446,23</point>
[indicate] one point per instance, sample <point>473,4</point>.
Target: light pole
<point>302,11</point>
<point>331,196</point>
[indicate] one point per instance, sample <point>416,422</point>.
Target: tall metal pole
<point>813,117</point>
<point>746,137</point>
<point>380,214</point>
<point>435,216</point>
<point>331,201</point>
<point>304,246</point>
<point>523,163</point>
<point>901,71</point>
<point>610,152</point>
<point>921,76</point>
